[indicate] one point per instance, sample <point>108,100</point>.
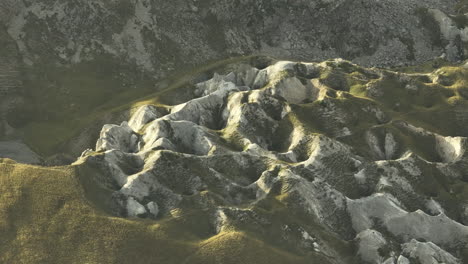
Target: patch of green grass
<point>425,67</point>
<point>357,81</point>
<point>358,90</point>
<point>46,217</point>
<point>458,76</point>
<point>60,101</point>
<point>403,97</point>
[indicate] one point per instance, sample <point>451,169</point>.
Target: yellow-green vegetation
<point>63,214</point>
<point>433,105</point>
<point>456,79</point>
<point>62,101</point>
<point>435,100</point>
<point>46,217</point>
<point>426,67</point>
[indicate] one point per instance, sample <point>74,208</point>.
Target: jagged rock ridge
<point>297,138</point>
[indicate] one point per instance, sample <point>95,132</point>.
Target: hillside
<point>281,162</point>
<point>330,131</point>
<point>75,63</point>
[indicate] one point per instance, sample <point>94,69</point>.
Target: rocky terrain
<point>158,36</point>
<point>226,132</point>
<point>313,157</point>
<point>68,51</point>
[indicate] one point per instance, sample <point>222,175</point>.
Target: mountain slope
<point>87,58</point>
<point>286,163</point>
<point>228,157</point>
<point>45,218</point>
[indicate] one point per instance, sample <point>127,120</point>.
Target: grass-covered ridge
<point>45,217</point>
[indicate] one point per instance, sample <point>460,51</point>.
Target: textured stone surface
<point>371,32</point>
<point>242,141</point>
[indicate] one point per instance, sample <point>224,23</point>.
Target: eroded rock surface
<point>254,143</point>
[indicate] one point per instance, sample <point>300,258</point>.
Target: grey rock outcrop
<point>238,144</point>
<point>427,252</point>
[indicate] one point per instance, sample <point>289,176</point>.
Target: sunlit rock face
<point>291,153</point>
